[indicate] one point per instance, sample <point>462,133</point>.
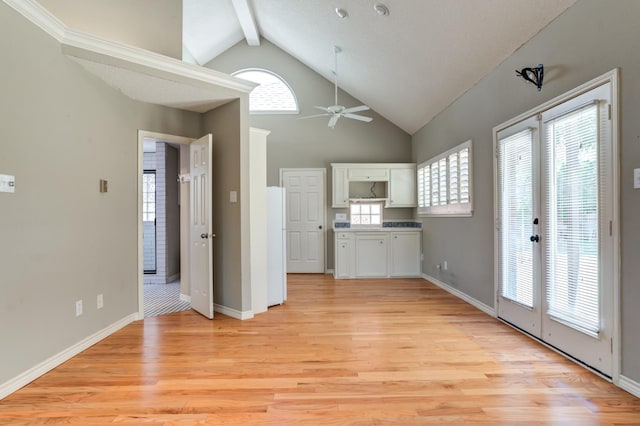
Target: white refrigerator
<point>276,246</point>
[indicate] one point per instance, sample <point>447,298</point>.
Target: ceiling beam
<point>247,22</point>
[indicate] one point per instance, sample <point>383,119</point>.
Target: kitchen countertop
<point>388,227</point>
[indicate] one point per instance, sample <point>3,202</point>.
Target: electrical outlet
<point>100,301</point>
<point>438,266</point>
<point>78,308</point>
<point>444,265</point>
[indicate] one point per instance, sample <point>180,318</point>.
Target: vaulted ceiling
<point>408,65</point>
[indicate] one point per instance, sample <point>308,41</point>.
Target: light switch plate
<point>7,183</point>
<point>636,178</point>
<point>233,197</point>
<point>341,217</point>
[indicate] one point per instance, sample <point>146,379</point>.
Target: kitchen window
<point>366,214</point>
<point>445,182</point>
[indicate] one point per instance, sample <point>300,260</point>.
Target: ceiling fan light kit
<point>336,111</point>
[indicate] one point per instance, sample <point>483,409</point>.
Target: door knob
<point>204,236</point>
<point>319,226</point>
<point>535,238</point>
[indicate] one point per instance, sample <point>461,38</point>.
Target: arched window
<point>272,96</point>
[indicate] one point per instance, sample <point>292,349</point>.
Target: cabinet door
<point>405,254</point>
<point>402,187</point>
<point>368,174</point>
<point>371,255</point>
<point>340,190</point>
<point>344,257</point>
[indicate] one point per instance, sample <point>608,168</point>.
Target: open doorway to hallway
<point>161,206</point>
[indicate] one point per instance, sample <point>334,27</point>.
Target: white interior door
<point>555,215</point>
<point>305,203</point>
<point>202,239</point>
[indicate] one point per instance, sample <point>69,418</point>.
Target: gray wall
<point>589,39</point>
<point>310,143</point>
<point>155,25</point>
<point>224,124</point>
<point>62,131</point>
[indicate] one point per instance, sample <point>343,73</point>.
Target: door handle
<point>319,226</point>
<point>534,238</point>
<point>204,236</point>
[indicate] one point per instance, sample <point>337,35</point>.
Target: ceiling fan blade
<point>313,116</point>
<point>357,109</point>
<point>333,120</point>
<point>358,117</point>
<point>325,109</point>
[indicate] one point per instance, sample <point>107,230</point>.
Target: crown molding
<point>87,46</point>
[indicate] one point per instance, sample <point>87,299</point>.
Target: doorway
<point>305,219</point>
<point>163,283</point>
<point>555,235</point>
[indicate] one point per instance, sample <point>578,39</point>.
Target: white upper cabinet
<point>340,190</point>
<point>368,173</point>
<point>402,186</point>
<point>400,179</point>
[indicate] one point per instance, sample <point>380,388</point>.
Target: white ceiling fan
<point>336,111</point>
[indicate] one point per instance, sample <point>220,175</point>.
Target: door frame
<point>611,77</point>
<point>324,201</point>
<point>160,137</point>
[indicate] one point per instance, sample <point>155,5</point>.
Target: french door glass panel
<point>572,270</point>
<point>516,183</point>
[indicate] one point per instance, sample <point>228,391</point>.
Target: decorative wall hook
<point>534,75</point>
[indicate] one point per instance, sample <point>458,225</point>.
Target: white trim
<point>172,278</point>
<point>470,300</point>
<point>329,271</point>
<point>185,298</point>
<point>629,385</point>
<point>49,364</point>
<point>40,17</point>
<point>233,313</point>
<point>324,202</point>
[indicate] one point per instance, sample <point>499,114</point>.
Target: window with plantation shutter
<point>444,183</point>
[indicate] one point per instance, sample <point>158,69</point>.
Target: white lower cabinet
<point>405,254</point>
<point>344,258</point>
<point>371,254</point>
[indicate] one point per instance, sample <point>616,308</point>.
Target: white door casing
<point>202,239</point>
<point>306,199</point>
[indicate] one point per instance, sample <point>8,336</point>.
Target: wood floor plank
<point>361,352</point>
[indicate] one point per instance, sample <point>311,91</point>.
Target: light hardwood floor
<point>359,352</point>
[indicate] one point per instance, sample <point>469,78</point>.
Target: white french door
<point>555,213</point>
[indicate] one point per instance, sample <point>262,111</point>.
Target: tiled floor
<point>160,299</point>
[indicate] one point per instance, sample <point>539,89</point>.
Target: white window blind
<point>273,95</point>
<point>515,180</point>
<point>444,183</point>
<point>572,193</point>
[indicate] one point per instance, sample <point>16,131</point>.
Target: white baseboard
<point>233,313</point>
<point>185,298</point>
<point>470,300</point>
<point>629,385</point>
<point>38,370</point>
<point>174,277</point>
<point>329,271</point>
